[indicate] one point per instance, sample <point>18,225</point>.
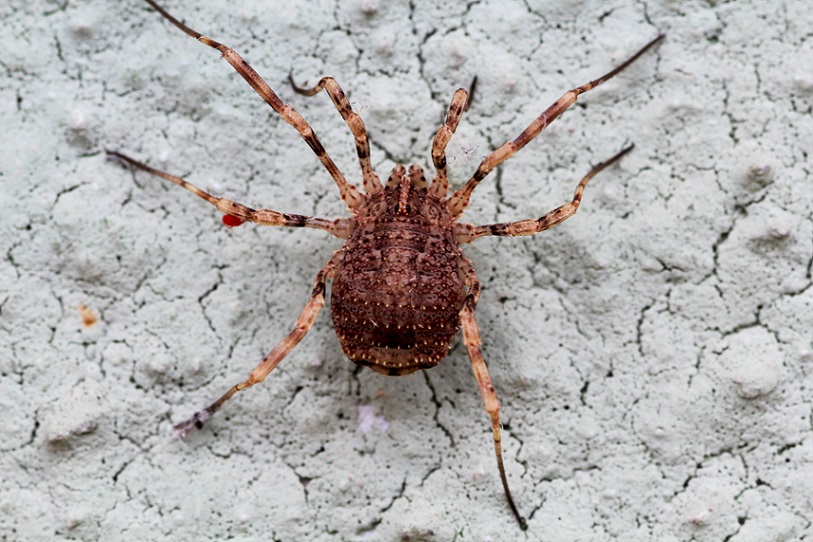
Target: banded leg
<point>466,233</point>
<point>471,338</point>
<point>301,328</point>
<point>349,193</point>
<point>460,102</point>
<point>340,227</point>
<point>458,202</point>
<point>372,184</point>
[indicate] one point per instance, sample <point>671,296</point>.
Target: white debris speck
<point>369,421</point>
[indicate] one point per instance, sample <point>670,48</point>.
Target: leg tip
<point>123,159</point>
<point>195,422</point>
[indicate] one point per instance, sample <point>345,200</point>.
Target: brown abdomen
<point>395,300</point>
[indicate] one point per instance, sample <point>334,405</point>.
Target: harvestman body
<point>401,266</point>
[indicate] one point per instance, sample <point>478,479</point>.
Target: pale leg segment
<point>303,324</point>
<point>372,184</point>
<point>340,227</point>
<point>349,193</point>
<point>466,233</point>
<point>471,338</point>
<point>458,202</point>
<point>440,184</point>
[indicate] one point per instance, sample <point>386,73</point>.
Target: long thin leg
<point>471,338</point>
<point>349,193</point>
<point>372,184</point>
<point>340,227</point>
<point>458,202</point>
<point>301,328</point>
<point>466,233</point>
<point>460,102</point>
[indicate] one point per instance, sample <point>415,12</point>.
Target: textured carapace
<point>398,290</point>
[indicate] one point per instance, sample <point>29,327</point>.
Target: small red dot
<point>232,221</point>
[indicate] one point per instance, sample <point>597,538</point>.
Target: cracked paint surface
<point>652,355</point>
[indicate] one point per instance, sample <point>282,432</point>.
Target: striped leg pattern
<point>466,233</point>
<point>372,184</point>
<point>340,227</point>
<point>471,338</point>
<point>349,193</point>
<point>303,324</point>
<point>458,202</point>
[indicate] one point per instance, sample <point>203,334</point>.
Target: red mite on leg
<point>231,221</point>
<point>401,265</point>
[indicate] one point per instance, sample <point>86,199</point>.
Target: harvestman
<point>400,266</point>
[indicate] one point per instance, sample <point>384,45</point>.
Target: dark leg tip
<point>122,159</point>
<point>470,98</point>
<point>294,86</point>
<point>195,422</point>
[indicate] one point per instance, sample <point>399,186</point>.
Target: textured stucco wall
<point>653,355</point>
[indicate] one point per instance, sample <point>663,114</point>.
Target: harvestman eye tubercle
<point>401,265</point>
